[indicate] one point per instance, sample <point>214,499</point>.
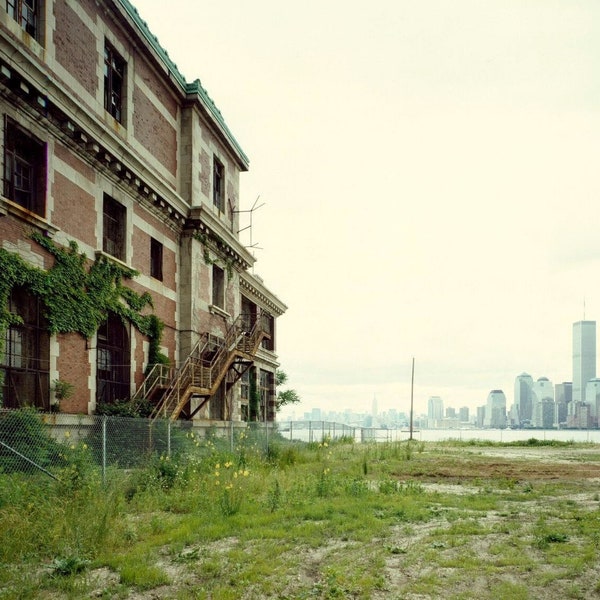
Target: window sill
<point>9,207</point>
<point>216,310</point>
<point>111,258</point>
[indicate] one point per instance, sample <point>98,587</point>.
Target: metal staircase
<point>205,369</point>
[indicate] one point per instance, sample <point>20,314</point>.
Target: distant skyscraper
<point>592,397</point>
<point>463,414</point>
<point>435,409</point>
<point>523,397</point>
<point>543,403</point>
<point>584,357</point>
<point>542,389</point>
<point>495,409</point>
<point>563,394</point>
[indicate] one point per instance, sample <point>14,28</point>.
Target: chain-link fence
<point>33,442</point>
<point>46,443</point>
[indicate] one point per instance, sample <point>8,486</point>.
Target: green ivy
<point>227,263</point>
<point>77,299</point>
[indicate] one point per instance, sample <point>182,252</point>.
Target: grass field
<point>330,520</point>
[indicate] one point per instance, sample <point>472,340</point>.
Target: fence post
<point>266,438</point>
<point>104,449</point>
<point>169,438</point>
<point>291,429</point>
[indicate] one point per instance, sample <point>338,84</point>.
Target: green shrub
<point>25,436</point>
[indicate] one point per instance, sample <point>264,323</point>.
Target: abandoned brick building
<point>106,145</point>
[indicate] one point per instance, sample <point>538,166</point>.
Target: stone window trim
<point>7,207</point>
<point>216,310</point>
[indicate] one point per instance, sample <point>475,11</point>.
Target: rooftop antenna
<point>251,210</point>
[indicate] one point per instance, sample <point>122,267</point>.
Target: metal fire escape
<point>212,362</point>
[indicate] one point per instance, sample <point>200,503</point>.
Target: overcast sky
<point>430,173</point>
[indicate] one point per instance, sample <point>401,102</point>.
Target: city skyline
<point>526,389</point>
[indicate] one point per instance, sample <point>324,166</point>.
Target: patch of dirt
<point>512,463</point>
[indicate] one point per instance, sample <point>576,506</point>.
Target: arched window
<point>25,361</point>
<point>113,362</point>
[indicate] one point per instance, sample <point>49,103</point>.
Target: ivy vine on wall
<point>77,299</point>
<point>226,263</point>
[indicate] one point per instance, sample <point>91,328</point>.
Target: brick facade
<point>74,210</point>
<point>117,165</point>
<point>73,40</point>
<point>154,132</point>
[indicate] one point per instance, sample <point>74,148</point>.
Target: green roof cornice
<point>193,89</point>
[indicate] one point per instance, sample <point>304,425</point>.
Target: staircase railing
<point>203,374</point>
<point>179,379</point>
<point>159,376</point>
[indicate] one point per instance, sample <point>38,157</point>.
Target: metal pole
<point>169,437</point>
<point>104,449</point>
<point>29,461</point>
<point>412,384</point>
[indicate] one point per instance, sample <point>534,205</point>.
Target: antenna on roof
<point>249,226</point>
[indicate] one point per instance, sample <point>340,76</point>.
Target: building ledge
<point>113,259</point>
<point>9,207</point>
<point>216,310</point>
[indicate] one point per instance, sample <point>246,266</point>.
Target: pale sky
<point>430,180</point>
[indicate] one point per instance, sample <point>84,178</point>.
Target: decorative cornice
<point>208,229</point>
<point>23,93</point>
<point>255,288</point>
<point>194,90</point>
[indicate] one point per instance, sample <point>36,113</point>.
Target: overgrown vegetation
<point>78,295</point>
<point>329,519</point>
